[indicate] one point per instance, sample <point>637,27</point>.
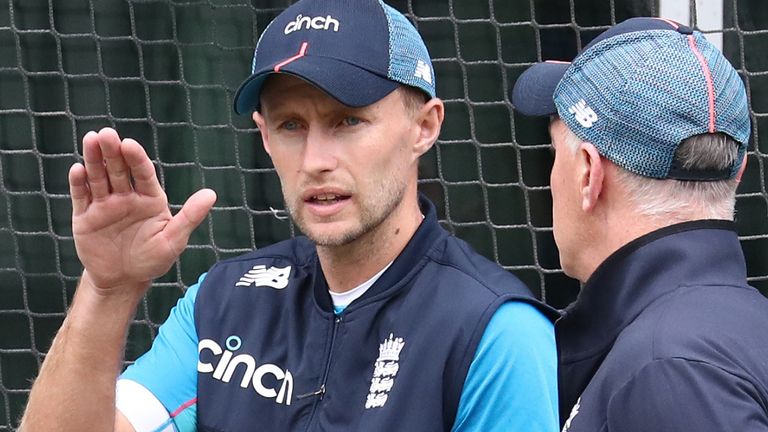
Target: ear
<point>591,174</point>
<point>261,123</point>
<point>428,120</point>
<point>742,168</point>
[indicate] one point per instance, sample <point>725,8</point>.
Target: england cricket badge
<point>384,372</point>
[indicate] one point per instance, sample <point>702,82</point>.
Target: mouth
<point>325,198</point>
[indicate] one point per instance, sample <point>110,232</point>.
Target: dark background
<point>164,72</point>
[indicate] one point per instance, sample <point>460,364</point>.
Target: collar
<point>411,259</point>
<point>342,300</point>
<point>641,272</point>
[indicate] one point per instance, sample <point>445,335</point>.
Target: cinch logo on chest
<point>251,374</point>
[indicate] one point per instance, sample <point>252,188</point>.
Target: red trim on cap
<point>670,22</point>
<point>302,52</point>
<point>708,78</point>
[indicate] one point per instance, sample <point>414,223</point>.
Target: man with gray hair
<point>650,125</point>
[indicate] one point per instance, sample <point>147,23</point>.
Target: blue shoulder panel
<point>169,368</point>
<point>512,381</point>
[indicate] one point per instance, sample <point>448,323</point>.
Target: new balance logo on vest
<point>260,275</point>
<point>583,113</point>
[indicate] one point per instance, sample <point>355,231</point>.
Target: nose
<point>319,154</point>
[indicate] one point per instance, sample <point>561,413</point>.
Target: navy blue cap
<point>357,51</point>
<point>637,91</point>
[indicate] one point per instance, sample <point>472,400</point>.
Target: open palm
<point>124,232</point>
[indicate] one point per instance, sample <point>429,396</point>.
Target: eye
<point>352,121</point>
<point>290,125</point>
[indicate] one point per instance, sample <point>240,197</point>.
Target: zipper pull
<point>319,392</point>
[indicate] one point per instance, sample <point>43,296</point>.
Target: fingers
<point>110,164</point>
<point>141,169</point>
<point>96,172</point>
<point>117,170</point>
<point>189,217</point>
<point>78,189</point>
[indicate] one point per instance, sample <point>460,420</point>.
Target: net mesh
<point>164,72</point>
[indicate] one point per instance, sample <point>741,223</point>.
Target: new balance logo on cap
<point>423,71</point>
<point>317,23</point>
<point>583,114</point>
<point>273,277</point>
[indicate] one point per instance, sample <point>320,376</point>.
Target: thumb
<point>189,217</point>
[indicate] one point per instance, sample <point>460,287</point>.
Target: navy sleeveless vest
<point>274,357</point>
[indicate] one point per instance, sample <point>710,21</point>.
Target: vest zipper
<point>321,391</point>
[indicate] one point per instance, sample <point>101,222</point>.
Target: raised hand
<point>124,232</point>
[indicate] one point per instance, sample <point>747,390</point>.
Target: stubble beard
<point>375,208</point>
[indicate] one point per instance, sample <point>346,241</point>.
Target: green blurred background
<point>164,72</point>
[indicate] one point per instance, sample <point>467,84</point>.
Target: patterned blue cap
<point>637,91</point>
<point>357,51</point>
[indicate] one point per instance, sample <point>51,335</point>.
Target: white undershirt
<point>146,413</point>
<point>342,300</point>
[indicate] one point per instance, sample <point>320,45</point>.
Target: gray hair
<point>677,200</point>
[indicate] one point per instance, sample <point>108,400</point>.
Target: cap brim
<point>349,84</point>
<point>533,92</point>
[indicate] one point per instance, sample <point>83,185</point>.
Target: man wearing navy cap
<point>650,125</point>
<point>377,320</point>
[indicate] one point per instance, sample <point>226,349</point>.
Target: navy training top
<point>667,336</point>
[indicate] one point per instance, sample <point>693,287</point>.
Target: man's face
<point>566,201</point>
<point>342,170</point>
